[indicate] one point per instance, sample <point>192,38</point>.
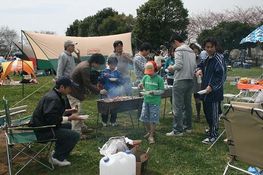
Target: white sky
<point>57,15</point>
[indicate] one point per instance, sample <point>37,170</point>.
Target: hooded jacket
<point>185,63</point>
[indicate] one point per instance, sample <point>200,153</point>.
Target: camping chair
<point>244,136</point>
<point>20,139</point>
<point>237,103</point>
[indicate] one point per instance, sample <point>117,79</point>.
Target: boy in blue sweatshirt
<point>213,76</point>
<point>112,83</point>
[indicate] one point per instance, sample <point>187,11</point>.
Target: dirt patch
<point>3,158</point>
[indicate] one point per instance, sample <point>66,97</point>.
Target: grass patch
<point>169,156</point>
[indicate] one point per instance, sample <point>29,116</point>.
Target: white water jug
<point>121,163</point>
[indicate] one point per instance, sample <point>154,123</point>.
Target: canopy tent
<point>254,37</point>
<point>17,65</point>
<point>27,51</point>
<point>48,47</point>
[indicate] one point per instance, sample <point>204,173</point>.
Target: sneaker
<point>189,131</point>
<point>114,124</point>
<point>146,135</point>
<point>209,141</point>
<point>151,140</point>
<point>58,162</point>
<point>104,124</point>
<point>174,134</point>
<point>170,113</point>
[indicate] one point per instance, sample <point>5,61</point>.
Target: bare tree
<point>207,20</point>
<point>7,36</point>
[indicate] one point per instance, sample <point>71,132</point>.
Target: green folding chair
<point>22,141</point>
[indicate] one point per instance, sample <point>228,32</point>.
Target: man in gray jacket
<point>183,69</point>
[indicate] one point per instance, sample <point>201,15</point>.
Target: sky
<point>57,15</point>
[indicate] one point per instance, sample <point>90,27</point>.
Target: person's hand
<point>170,69</point>
<point>151,92</point>
<point>103,91</point>
<point>72,110</point>
<point>77,52</point>
<point>199,73</point>
<point>208,89</point>
<point>140,86</point>
<point>74,117</point>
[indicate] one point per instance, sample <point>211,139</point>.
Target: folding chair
<point>20,139</point>
<point>244,129</point>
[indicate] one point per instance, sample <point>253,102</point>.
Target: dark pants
<point>211,115</point>
<point>66,141</point>
<point>106,116</point>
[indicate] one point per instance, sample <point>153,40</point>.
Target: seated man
<point>50,111</point>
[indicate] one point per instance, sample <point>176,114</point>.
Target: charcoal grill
<point>105,106</point>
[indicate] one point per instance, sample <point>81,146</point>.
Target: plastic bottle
<point>199,79</point>
<point>121,163</point>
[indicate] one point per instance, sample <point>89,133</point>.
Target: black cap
<point>65,81</point>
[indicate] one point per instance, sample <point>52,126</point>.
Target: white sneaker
<point>114,124</point>
<point>104,124</point>
<point>189,131</point>
<point>174,134</point>
<point>58,162</point>
<point>209,141</point>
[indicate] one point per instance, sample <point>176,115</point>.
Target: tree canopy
<point>104,22</point>
<point>228,34</point>
<point>157,20</point>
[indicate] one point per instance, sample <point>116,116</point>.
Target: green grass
<point>169,156</point>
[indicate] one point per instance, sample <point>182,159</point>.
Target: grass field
<point>169,156</point>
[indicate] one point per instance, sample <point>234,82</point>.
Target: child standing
<point>153,86</point>
<point>111,81</point>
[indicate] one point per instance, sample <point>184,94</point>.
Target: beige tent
<point>48,47</point>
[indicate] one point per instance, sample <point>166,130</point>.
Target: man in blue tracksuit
<point>213,77</point>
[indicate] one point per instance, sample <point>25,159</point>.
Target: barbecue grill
<point>119,104</point>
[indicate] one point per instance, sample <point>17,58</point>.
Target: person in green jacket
<point>153,86</point>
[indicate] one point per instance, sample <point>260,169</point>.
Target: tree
<point>198,23</point>
<point>7,36</point>
<point>228,34</point>
<point>157,20</point>
<point>104,22</point>
<point>116,24</point>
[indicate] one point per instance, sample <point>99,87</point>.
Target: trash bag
<point>114,145</point>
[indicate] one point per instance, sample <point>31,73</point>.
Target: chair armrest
<point>32,128</point>
<point>17,112</point>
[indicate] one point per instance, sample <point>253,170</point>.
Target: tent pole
<point>23,88</point>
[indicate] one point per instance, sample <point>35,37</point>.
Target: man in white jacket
<point>183,69</point>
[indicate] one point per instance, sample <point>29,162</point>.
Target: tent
<point>27,52</point>
<point>15,66</point>
<point>254,37</point>
<point>48,47</point>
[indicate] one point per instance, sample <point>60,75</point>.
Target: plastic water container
<point>121,163</point>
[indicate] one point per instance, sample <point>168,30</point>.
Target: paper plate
<point>202,92</point>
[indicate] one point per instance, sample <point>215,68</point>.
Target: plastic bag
<point>114,145</point>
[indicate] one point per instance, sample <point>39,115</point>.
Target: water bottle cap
<point>128,151</point>
<point>106,159</point>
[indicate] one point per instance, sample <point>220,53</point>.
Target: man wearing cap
<point>184,67</point>
<point>50,111</point>
<point>124,59</point>
<point>66,61</point>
